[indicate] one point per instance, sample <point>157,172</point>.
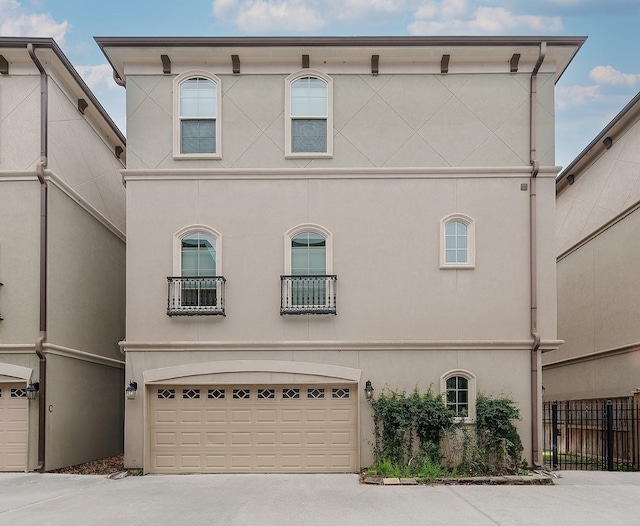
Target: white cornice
<point>336,173</point>
<point>605,353</point>
<point>378,345</point>
<point>76,354</point>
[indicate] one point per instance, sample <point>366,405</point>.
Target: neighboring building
<point>305,215</point>
<point>598,202</point>
<point>62,263</point>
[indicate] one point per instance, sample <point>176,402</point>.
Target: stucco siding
<point>86,280</point>
<point>385,253</point>
<point>381,121</point>
<point>19,259</point>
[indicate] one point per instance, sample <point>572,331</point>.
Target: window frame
<point>177,120</point>
<point>288,128</point>
<point>190,230</point>
<point>311,228</point>
<point>471,241</point>
<point>471,392</point>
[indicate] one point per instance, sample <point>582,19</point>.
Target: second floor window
<point>457,242</point>
<point>198,255</point>
<point>309,123</point>
<point>197,101</point>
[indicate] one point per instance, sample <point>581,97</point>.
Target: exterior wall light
<point>32,390</point>
<point>368,390</point>
<point>131,390</point>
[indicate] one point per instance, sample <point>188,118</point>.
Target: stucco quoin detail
<point>247,366</point>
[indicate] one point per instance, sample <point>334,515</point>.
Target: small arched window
<point>457,242</point>
<point>197,110</point>
<point>459,389</point>
<point>309,122</point>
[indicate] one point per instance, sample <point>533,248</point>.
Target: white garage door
<point>248,428</point>
<point>13,427</point>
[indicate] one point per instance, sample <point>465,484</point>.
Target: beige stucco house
<point>308,215</point>
<point>598,253</point>
<point>62,263</point>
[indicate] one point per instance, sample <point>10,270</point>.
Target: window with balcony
<point>197,116</point>
<point>308,287</point>
<point>197,288</point>
<point>309,119</point>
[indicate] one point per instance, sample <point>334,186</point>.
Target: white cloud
<point>98,77</point>
<point>16,21</point>
<point>456,17</point>
<point>306,16</point>
<point>609,75</point>
<point>568,96</point>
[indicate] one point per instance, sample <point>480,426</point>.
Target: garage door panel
<point>13,427</point>
<point>253,429</point>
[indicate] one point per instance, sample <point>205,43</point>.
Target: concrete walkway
<point>580,498</point>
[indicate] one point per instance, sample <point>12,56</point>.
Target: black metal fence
<point>591,434</point>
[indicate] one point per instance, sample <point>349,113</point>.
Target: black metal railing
<point>202,296</point>
<point>308,294</point>
<point>591,434</point>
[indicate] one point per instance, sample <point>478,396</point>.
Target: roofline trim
<point>50,43</point>
<point>598,138</point>
<point>326,41</point>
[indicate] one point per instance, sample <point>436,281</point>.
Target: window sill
<point>308,156</point>
<point>457,266</point>
<point>197,156</point>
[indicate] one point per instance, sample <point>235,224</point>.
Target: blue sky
<point>603,77</point>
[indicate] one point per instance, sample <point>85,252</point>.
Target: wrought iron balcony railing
<point>308,294</point>
<point>202,296</point>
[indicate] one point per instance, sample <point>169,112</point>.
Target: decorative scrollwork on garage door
<point>166,394</point>
<point>315,394</point>
<point>18,393</point>
<point>241,394</point>
<point>216,394</point>
<point>340,393</point>
<point>290,393</point>
<point>266,394</point>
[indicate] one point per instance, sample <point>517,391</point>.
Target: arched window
<point>197,110</point>
<point>308,287</point>
<point>457,242</point>
<point>459,388</point>
<point>197,286</point>
<point>309,122</point>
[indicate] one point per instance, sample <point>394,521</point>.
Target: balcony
<point>308,294</point>
<point>202,296</point>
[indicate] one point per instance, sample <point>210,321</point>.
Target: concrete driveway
<point>580,498</point>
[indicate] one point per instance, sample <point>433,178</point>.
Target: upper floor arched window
<point>309,119</point>
<point>197,115</point>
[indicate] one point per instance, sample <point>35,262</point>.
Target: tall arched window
<point>309,122</point>
<point>197,286</point>
<point>197,111</point>
<point>308,287</point>
<point>457,242</point>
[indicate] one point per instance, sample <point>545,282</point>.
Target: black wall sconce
<point>368,390</point>
<point>131,390</point>
<point>32,390</point>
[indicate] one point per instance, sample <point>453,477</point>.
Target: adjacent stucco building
<point>598,253</point>
<point>62,263</point>
<point>305,215</point>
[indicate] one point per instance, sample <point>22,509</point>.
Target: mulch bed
<point>104,466</point>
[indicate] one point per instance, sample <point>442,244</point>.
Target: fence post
<point>554,434</point>
<point>635,430</point>
<point>609,435</point>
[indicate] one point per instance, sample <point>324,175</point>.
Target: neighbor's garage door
<point>13,427</point>
<point>270,429</point>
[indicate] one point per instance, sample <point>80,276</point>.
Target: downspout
<point>533,247</point>
<point>40,167</point>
